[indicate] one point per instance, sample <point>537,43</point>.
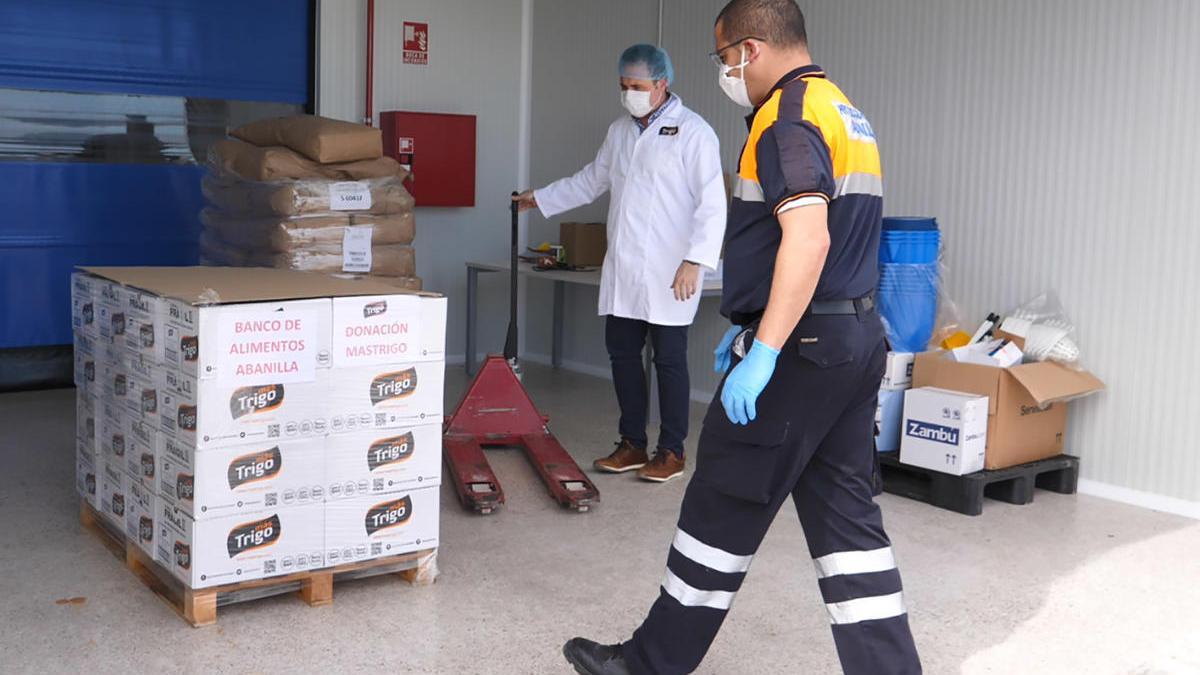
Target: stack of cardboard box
<point>247,423</point>
<point>309,193</point>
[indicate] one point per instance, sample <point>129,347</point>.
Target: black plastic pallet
<point>964,494</point>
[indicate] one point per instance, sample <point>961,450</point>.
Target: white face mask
<point>637,102</point>
<point>735,87</point>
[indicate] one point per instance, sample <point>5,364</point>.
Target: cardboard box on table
<point>1027,404</point>
<point>584,244</point>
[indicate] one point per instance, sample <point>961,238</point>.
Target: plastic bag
<point>1048,332</point>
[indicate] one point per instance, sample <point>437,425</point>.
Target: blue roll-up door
<point>126,194</point>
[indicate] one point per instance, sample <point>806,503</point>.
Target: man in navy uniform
<point>794,416</point>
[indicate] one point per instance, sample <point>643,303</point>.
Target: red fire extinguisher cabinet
<point>439,149</point>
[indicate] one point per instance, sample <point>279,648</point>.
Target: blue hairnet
<point>646,62</point>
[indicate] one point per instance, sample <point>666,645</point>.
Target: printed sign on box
<point>277,346</point>
<point>416,43</point>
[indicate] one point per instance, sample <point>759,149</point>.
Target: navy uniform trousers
<point>812,441</point>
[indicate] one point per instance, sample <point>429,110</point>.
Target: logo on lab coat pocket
<point>668,131</point>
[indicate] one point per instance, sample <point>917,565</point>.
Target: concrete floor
<point>1065,585</point>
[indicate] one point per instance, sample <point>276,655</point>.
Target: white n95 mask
<point>735,87</point>
<point>636,102</point>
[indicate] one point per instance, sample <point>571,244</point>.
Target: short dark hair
<point>779,22</point>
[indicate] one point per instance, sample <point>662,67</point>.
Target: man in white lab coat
<point>666,222</point>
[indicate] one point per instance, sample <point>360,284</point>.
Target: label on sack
<point>356,249</point>
<point>349,196</point>
<point>278,347</point>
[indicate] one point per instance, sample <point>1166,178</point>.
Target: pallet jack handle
<point>510,344</point>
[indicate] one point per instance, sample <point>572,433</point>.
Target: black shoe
<point>590,658</point>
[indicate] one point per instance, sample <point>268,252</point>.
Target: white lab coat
<point>668,205</point>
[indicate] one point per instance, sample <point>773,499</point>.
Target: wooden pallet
<point>198,607</point>
<point>964,494</point>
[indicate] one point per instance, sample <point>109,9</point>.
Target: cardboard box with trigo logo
<point>383,462</point>
<point>240,547</point>
<point>393,396</point>
<point>1027,404</point>
<point>374,526</point>
<point>114,493</point>
<point>84,297</point>
<point>143,445</point>
<point>144,314</point>
<point>87,480</point>
<point>242,479</point>
<point>141,510</point>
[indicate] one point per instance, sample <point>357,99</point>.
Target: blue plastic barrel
<point>907,298</point>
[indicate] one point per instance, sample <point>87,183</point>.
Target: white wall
<point>474,68</point>
<point>1056,143</point>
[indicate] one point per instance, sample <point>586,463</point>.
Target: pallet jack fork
<point>497,411</point>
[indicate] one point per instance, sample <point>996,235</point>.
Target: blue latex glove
<point>746,382</point>
<point>724,350</point>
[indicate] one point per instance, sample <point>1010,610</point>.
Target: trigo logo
<point>183,555</point>
<point>253,535</point>
<point>90,482</point>
<point>89,371</point>
<point>186,417</point>
<point>185,486</point>
<point>118,445</point>
<point>251,400</point>
<point>120,387</point>
<point>147,465</point>
<point>390,451</point>
<point>189,347</point>
<point>388,514</point>
<point>118,504</point>
<point>146,529</point>
<point>374,309</point>
<point>149,401</point>
<point>118,323</point>
<point>393,385</point>
<point>89,314</point>
<point>146,334</point>
<point>255,467</point>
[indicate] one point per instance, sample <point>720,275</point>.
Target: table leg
<point>472,300</point>
<point>556,345</point>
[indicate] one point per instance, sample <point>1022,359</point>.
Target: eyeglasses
<point>717,55</point>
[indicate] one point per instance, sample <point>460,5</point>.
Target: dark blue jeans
<point>625,339</point>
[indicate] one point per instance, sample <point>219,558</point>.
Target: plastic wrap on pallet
<point>276,163</point>
<point>244,199</point>
<point>283,235</point>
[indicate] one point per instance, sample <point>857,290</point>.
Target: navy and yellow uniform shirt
<point>807,144</point>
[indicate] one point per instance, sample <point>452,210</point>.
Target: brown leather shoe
<point>626,457</point>
<point>665,466</point>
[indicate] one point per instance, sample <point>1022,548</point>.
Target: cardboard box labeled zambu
<point>240,547</point>
<point>944,430</point>
<point>1027,409</point>
<point>375,526</point>
<point>376,330</point>
<point>242,479</point>
<point>584,244</point>
<point>383,462</point>
<point>391,396</point>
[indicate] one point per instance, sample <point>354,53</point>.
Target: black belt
<point>842,307</point>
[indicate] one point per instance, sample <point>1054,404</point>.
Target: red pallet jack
<point>497,411</point>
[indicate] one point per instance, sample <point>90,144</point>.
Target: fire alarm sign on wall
<point>416,43</point>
